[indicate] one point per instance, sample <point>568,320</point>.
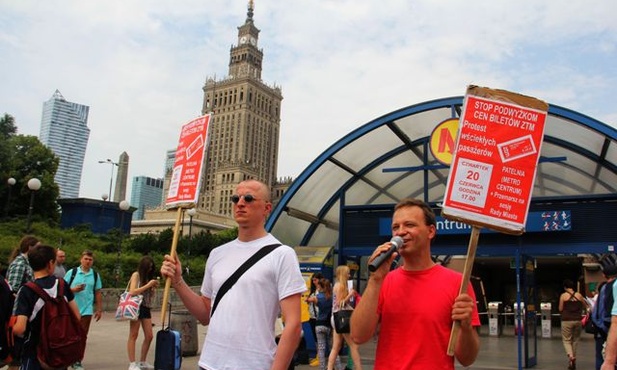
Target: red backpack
<point>62,339</point>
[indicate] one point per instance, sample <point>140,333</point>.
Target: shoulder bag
<point>342,320</point>
<point>128,306</point>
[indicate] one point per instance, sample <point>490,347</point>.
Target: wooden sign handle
<point>172,253</point>
<point>471,255</point>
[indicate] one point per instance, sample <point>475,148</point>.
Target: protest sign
<point>186,173</point>
<point>185,181</point>
<point>495,160</point>
<point>493,168</point>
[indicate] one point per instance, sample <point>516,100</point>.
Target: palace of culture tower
<point>244,135</point>
<point>244,131</point>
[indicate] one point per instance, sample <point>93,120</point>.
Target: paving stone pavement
<point>106,349</point>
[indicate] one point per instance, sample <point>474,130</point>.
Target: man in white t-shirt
<point>241,331</point>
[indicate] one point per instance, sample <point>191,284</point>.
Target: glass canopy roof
<point>389,158</point>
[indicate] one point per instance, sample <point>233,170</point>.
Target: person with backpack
<point>604,314</point>
<point>30,310</point>
<point>601,311</point>
<point>20,272</point>
<point>571,305</point>
<point>86,284</point>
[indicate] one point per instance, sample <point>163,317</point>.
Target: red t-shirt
<point>415,309</point>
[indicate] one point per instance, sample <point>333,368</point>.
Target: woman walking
<point>341,297</point>
<point>323,300</point>
<point>571,304</point>
<point>142,282</point>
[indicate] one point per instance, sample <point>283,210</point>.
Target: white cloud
<point>140,65</point>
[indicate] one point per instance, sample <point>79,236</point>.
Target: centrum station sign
<point>495,160</point>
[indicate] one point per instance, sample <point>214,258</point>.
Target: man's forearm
<point>468,346</point>
<point>196,304</point>
<point>99,301</point>
<point>610,355</point>
<point>290,337</point>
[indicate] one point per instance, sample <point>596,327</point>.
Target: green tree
<point>29,159</point>
<point>7,126</point>
<point>143,243</point>
<point>7,130</point>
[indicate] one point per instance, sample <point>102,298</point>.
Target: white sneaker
<point>134,366</point>
<point>145,366</point>
<point>77,366</point>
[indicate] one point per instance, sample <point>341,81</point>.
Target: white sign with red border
<point>495,161</point>
<point>186,173</point>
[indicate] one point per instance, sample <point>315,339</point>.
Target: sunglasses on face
<point>248,198</point>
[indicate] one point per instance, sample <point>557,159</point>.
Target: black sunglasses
<point>247,198</point>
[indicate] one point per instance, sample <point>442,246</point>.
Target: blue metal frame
<point>388,119</point>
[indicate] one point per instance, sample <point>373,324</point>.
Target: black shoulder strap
<point>241,270</point>
<point>73,273</point>
<point>96,278</point>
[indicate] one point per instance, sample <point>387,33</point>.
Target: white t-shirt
<point>241,331</point>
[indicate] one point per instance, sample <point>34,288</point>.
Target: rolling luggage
<point>168,349</point>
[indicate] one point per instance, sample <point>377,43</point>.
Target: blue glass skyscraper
<point>146,192</point>
<point>64,130</point>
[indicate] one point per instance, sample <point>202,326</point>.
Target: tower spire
<point>249,13</point>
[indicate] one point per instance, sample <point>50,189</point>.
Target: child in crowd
<point>28,305</point>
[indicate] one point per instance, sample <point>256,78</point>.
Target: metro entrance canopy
<point>389,158</point>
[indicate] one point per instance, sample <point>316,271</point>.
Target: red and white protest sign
<point>494,166</point>
<point>186,174</point>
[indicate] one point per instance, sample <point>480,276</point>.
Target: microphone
<point>395,243</point>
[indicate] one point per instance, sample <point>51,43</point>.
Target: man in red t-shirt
<point>416,303</point>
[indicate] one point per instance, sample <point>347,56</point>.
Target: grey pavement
<point>106,349</point>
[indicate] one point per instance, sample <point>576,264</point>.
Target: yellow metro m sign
<point>443,140</point>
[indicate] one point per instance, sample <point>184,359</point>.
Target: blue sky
<point>141,64</point>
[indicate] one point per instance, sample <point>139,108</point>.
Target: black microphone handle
<point>379,260</point>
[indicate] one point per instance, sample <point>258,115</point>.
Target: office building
<point>64,130</point>
<point>146,192</point>
<point>170,158</point>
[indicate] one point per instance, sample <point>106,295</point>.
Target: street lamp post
<point>10,182</point>
<point>111,178</point>
<point>191,212</point>
<point>124,206</point>
<point>34,184</point>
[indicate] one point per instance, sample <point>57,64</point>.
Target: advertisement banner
<point>493,169</point>
<point>186,173</point>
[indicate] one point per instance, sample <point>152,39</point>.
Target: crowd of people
<point>388,297</point>
<point>36,262</point>
<point>33,261</point>
<point>277,273</point>
<point>392,305</point>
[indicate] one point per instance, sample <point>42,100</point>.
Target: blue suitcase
<point>168,349</point>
